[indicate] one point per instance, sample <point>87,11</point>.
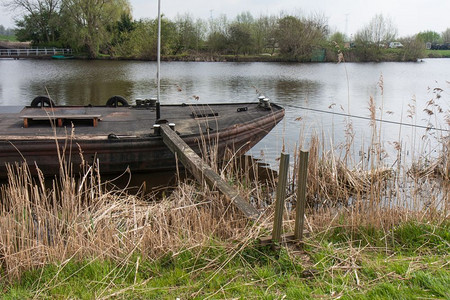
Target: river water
<point>339,88</point>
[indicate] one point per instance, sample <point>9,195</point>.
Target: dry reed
<point>79,219</point>
<point>373,191</point>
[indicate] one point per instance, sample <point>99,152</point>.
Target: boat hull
<point>140,153</point>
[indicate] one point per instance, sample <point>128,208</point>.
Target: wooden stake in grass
<point>281,195</point>
<point>301,195</point>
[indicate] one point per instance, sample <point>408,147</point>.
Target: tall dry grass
<point>79,219</point>
<point>376,189</point>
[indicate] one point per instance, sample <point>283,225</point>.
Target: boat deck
<point>124,137</point>
<point>98,122</point>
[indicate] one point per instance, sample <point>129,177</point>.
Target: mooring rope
<point>366,118</point>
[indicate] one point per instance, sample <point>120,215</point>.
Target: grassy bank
<point>8,38</point>
<point>438,53</point>
<point>329,55</point>
<point>408,262</point>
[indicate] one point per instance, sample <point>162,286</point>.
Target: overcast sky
<point>409,16</point>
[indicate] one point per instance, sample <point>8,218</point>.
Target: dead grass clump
<point>331,181</point>
<point>80,219</point>
<point>438,167</point>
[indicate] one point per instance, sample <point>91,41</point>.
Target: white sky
<point>409,16</point>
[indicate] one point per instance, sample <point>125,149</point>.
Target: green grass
<point>409,262</point>
<point>8,38</point>
<point>438,53</point>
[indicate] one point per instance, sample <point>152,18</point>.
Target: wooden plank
<point>59,118</point>
<point>301,195</point>
<point>203,172</point>
<point>281,196</point>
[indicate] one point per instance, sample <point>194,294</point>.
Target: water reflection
<point>294,90</point>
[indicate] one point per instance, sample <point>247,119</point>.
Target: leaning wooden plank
<point>202,171</point>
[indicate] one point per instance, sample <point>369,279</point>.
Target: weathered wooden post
<point>281,195</point>
<point>301,195</point>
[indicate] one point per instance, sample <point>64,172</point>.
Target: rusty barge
<point>120,136</point>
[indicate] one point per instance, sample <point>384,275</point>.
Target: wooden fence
<point>11,53</point>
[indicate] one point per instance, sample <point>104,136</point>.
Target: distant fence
<point>34,52</point>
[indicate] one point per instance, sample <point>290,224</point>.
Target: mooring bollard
<point>281,196</point>
<point>301,195</point>
<point>157,129</point>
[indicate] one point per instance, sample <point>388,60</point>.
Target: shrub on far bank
<point>413,49</point>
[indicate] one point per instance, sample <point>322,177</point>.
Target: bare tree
<point>32,6</point>
<point>43,14</point>
<point>380,30</point>
<point>414,48</point>
<point>263,32</point>
<point>240,34</point>
<point>217,38</point>
<point>298,37</point>
<point>446,36</point>
<point>189,33</point>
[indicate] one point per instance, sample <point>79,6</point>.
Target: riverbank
<point>349,55</point>
<point>386,55</point>
<point>438,53</point>
<point>408,262</point>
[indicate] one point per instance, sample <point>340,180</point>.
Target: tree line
<point>6,31</point>
<point>98,27</point>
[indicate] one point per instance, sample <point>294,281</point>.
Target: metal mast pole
<point>158,71</point>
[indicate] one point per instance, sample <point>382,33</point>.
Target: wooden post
<point>203,172</point>
<point>281,196</point>
<point>301,195</point>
